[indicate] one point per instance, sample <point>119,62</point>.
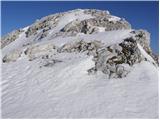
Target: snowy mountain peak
<point>72,58</point>
<point>75,24</point>
<point>74,21</point>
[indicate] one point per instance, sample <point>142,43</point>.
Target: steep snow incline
<point>67,91</point>
<point>148,57</point>
<point>18,43</point>
<point>109,38</point>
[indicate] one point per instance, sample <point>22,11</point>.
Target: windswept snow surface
<point>148,57</point>
<point>67,91</point>
<point>108,38</point>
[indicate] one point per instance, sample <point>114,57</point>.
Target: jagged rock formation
<point>81,46</point>
<point>102,20</point>
<point>93,25</point>
<point>43,24</point>
<point>116,59</point>
<point>143,37</point>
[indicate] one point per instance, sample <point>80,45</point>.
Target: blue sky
<point>141,14</point>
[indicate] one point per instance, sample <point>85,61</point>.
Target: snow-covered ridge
<point>69,27</point>
<point>52,24</point>
<point>83,63</point>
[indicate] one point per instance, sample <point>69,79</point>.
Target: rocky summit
<point>82,63</point>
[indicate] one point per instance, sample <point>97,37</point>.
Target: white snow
<point>109,37</point>
<point>67,91</point>
<point>147,56</point>
<point>114,18</point>
<point>25,28</point>
<point>101,29</point>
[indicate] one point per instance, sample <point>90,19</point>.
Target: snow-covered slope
<point>64,67</point>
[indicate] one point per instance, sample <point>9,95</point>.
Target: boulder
<point>114,60</point>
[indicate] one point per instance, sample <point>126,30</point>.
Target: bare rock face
<point>96,13</point>
<point>117,59</point>
<point>87,26</point>
<point>43,24</point>
<point>92,25</point>
<point>143,37</point>
<point>156,58</point>
<point>81,46</point>
<point>100,19</point>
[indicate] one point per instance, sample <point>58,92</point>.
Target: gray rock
<point>91,25</point>
<point>112,60</point>
<point>44,24</point>
<point>81,46</point>
<point>49,62</point>
<point>35,51</point>
<point>6,40</point>
<point>143,38</point>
